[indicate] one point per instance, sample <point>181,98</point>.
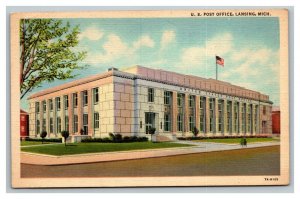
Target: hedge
<point>116,138</point>
<point>45,140</point>
<point>223,137</point>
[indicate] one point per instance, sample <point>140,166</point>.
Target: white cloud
<point>167,37</point>
<point>92,33</point>
<point>145,40</point>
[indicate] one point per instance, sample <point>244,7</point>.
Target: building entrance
<point>149,120</point>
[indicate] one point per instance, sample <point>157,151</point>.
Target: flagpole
<point>216,69</point>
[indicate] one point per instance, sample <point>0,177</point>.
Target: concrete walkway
<point>198,147</point>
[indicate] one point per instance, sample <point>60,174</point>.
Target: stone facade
<point>134,100</point>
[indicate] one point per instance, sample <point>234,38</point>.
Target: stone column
<point>216,130</point>
<point>174,112</point>
<point>63,114</point>
<point>207,129</point>
<point>48,118</point>
<point>186,113</point>
<point>71,113</point>
<point>253,119</point>
<point>240,118</point>
<point>225,117</point>
<point>232,117</point>
<point>197,112</point>
<point>90,114</point>
<point>79,111</point>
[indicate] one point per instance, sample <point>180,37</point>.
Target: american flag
<point>220,61</point>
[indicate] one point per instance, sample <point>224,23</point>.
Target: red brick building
<point>24,124</point>
<point>276,120</point>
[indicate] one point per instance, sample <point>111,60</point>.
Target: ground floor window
<point>179,122</point>
<point>191,122</point>
<point>96,120</point>
<point>75,124</point>
<point>51,124</point>
<point>58,124</point>
<point>211,114</point>
<point>167,126</point>
<point>85,124</point>
<point>37,126</point>
<point>44,125</point>
<point>66,123</point>
<point>229,116</point>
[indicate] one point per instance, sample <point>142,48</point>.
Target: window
<point>191,122</point>
<point>85,124</point>
<point>75,100</point>
<point>75,124</point>
<point>236,117</point>
<point>180,98</point>
<point>84,98</point>
<point>150,95</point>
<point>191,112</point>
<point>44,106</point>
<point>51,104</point>
<point>255,118</point>
<point>96,120</point>
<point>211,114</point>
<point>66,123</point>
<point>229,117</point>
<point>58,124</point>
<point>57,101</point>
<point>191,101</point>
<point>95,95</point>
<point>179,122</point>
<point>167,125</point>
<point>37,107</point>
<point>37,127</point>
<point>44,125</point>
<point>244,118</point>
<point>249,113</point>
<point>167,98</point>
<point>202,114</point>
<point>66,102</point>
<point>264,110</point>
<point>51,125</point>
<point>221,115</point>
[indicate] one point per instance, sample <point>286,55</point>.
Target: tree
<point>43,135</point>
<point>151,131</point>
<point>195,131</point>
<point>65,134</point>
<point>46,49</point>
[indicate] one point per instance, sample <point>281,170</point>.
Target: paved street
<point>247,161</point>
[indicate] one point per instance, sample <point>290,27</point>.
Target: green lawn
<point>237,140</point>
<point>80,148</point>
<point>30,143</point>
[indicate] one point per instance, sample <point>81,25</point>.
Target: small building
<point>134,100</point>
<point>24,124</point>
<point>276,120</point>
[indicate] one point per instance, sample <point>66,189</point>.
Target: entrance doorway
<point>149,120</point>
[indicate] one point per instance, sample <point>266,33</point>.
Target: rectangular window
<point>66,102</point>
<point>44,125</point>
<point>255,118</point>
<point>191,101</point>
<point>179,122</point>
<point>95,95</point>
<point>96,120</point>
<point>75,100</point>
<point>211,114</point>
<point>37,127</point>
<point>66,123</point>
<point>57,101</point>
<point>191,122</point>
<point>249,112</point>
<point>58,125</point>
<point>85,98</point>
<point>220,116</point>
<point>44,106</point>
<point>202,113</point>
<point>264,110</point>
<point>51,125</point>
<point>37,107</point>
<point>167,98</point>
<point>244,118</point>
<point>51,104</point>
<point>229,117</point>
<point>85,124</point>
<point>180,98</point>
<point>150,94</point>
<point>167,125</point>
<point>75,124</point>
<point>236,118</point>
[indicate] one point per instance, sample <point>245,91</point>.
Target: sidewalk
<point>199,147</point>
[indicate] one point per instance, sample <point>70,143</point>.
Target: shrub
<point>65,134</point>
<point>117,139</point>
<point>43,135</point>
<point>195,131</point>
<point>47,139</point>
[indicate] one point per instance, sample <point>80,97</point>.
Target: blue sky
<point>249,46</point>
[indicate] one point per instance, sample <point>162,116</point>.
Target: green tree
<point>43,135</point>
<point>65,134</point>
<point>47,52</point>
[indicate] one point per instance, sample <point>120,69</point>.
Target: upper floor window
<point>66,101</point>
<point>264,110</point>
<point>37,107</point>
<point>44,106</point>
<point>180,97</point>
<point>191,101</point>
<point>150,94</point>
<point>75,100</point>
<point>167,97</point>
<point>96,95</point>
<point>85,98</point>
<point>51,104</point>
<point>57,101</point>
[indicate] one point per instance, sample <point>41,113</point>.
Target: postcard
<point>149,98</point>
